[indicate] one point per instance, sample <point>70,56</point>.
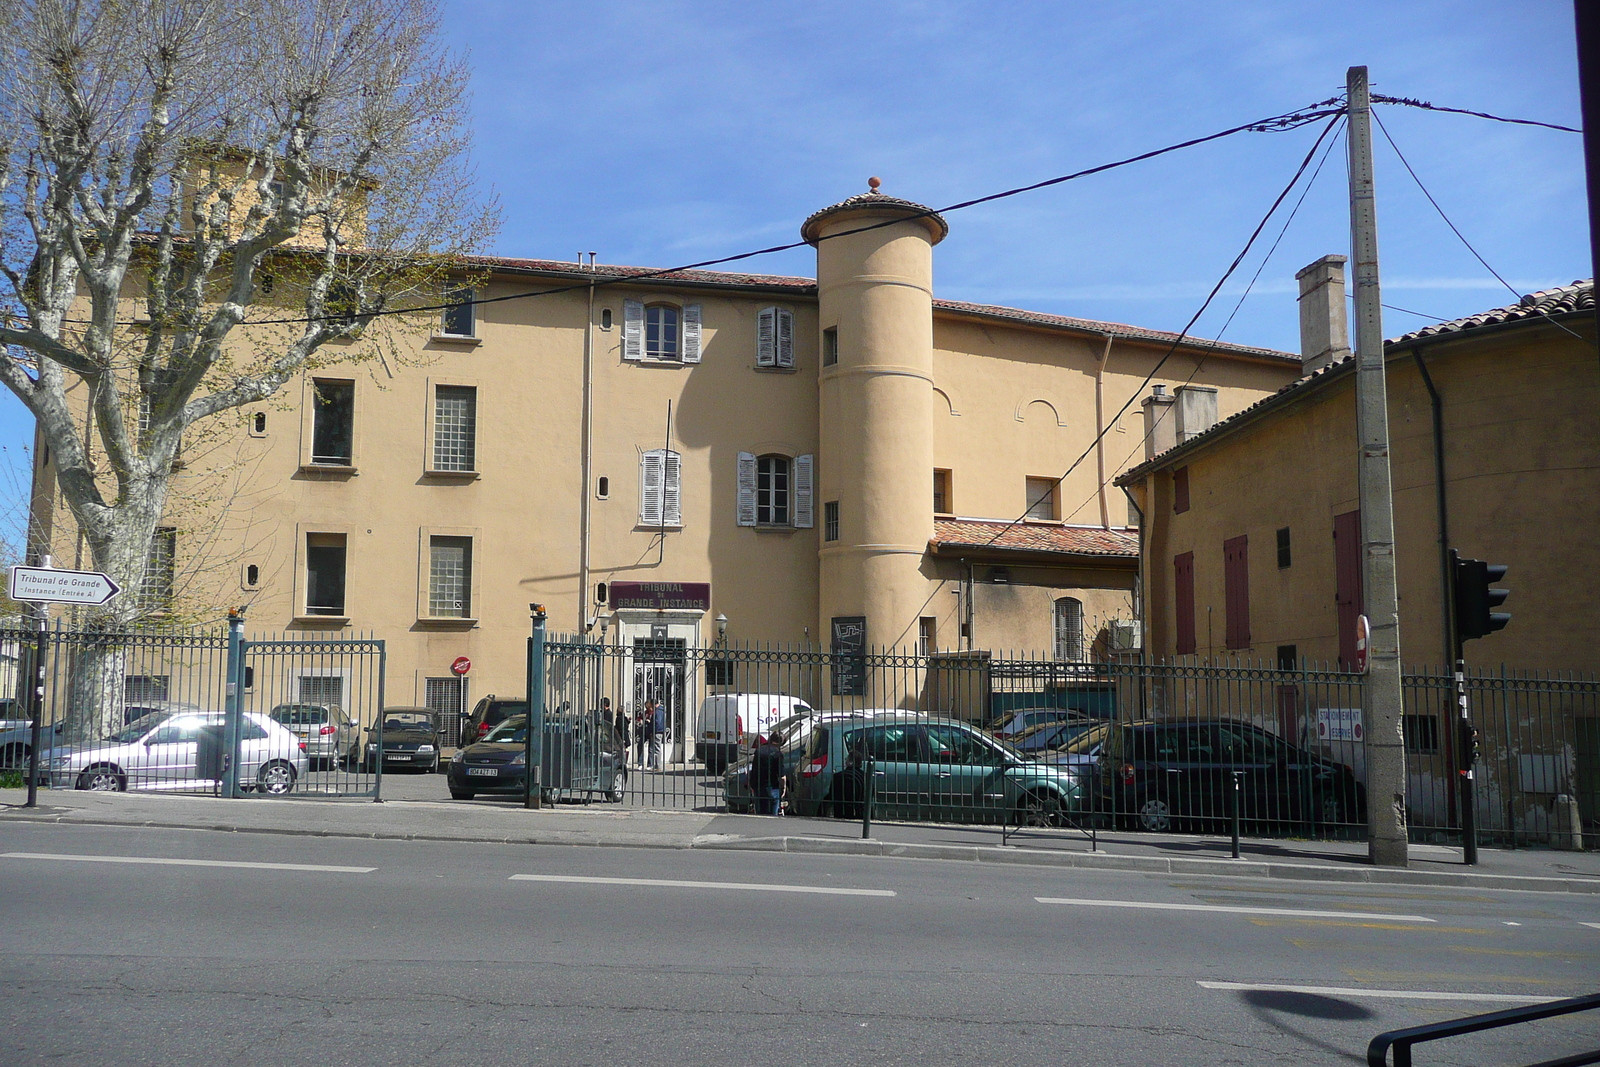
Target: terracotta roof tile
<point>1579,296</point>
<point>1034,537</point>
<point>579,272</point>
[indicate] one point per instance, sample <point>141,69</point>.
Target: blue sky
<point>660,132</point>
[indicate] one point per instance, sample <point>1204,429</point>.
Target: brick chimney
<point>1324,327</point>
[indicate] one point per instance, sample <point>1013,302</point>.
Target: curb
<point>1013,856</point>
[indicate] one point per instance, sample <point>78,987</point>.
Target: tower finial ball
<point>873,183</point>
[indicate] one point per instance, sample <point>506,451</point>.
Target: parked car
<point>1174,774</point>
<point>488,713</point>
<point>331,736</point>
<point>1044,737</point>
<point>161,752</point>
<point>17,742</point>
<point>728,723</point>
<point>410,739</point>
<point>1013,723</point>
<point>926,767</point>
<point>498,763</point>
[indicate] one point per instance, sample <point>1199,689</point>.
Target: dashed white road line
<point>671,883</point>
<point>1391,994</point>
<point>1595,926</point>
<point>1235,910</point>
<point>166,862</point>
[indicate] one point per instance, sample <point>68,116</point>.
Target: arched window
<point>1069,630</point>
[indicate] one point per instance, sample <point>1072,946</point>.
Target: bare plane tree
<point>196,196</point>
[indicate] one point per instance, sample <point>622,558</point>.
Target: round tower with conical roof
<point>875,455</point>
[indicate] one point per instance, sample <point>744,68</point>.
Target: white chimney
<point>1160,428</point>
<point>1196,410</point>
<point>1324,327</point>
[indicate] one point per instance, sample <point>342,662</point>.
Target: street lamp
<point>722,628</point>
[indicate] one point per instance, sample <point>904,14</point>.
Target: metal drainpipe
<point>587,462</point>
<point>1100,430</point>
<point>1447,609</point>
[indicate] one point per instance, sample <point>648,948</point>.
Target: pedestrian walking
<point>646,732</point>
<point>658,733</point>
<point>767,782</point>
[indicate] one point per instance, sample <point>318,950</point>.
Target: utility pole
<point>1386,754</point>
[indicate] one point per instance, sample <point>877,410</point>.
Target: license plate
<point>486,772</point>
<point>713,735</point>
<point>395,756</point>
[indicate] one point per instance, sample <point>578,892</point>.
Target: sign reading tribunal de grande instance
<point>660,596</point>
<point>47,585</point>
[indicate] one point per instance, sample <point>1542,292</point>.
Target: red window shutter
<point>1183,600</point>
<point>1348,597</point>
<point>1236,579</point>
<point>1180,490</point>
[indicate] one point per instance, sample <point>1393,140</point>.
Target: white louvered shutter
<point>671,490</point>
<point>747,489</point>
<point>802,491</point>
<point>785,337</point>
<point>650,477</point>
<point>691,333</point>
<point>632,329</point>
<point>766,338</point>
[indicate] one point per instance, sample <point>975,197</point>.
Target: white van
<point>731,721</point>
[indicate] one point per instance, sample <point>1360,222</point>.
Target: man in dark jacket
<point>766,775</point>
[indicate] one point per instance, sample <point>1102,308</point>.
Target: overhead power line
<point>1215,289</point>
<point>1407,101</point>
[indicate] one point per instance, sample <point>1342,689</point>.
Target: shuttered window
<point>1180,490</point>
<point>660,489</point>
<point>775,338</point>
<point>1236,590</point>
<point>1183,601</point>
<point>773,490</point>
<point>661,333</point>
<point>1069,630</point>
<point>1348,594</point>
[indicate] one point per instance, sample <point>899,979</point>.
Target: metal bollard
<point>1234,795</point>
<point>868,782</point>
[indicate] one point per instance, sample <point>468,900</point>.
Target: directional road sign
<point>50,586</point>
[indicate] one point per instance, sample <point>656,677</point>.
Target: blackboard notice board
<point>850,655</point>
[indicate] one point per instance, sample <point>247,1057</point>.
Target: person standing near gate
<point>766,774</point>
<point>645,732</point>
<point>658,733</point>
<point>620,724</point>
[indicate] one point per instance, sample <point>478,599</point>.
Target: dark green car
<point>926,768</point>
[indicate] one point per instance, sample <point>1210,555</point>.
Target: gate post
<point>36,704</point>
<point>233,673</point>
<point>533,756</point>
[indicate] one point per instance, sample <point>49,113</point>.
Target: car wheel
<point>1155,815</point>
<point>619,788</point>
<point>1038,811</point>
<point>275,779</point>
<point>14,758</point>
<point>462,794</point>
<point>103,779</point>
<point>1329,810</point>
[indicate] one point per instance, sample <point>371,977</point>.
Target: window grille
<point>455,428</point>
<point>1069,630</point>
<point>830,521</point>
<point>450,577</point>
<point>146,688</point>
<point>322,689</point>
<point>156,588</point>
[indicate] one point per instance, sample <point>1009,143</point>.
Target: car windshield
<point>410,720</point>
<point>300,715</point>
<point>514,730</point>
<point>135,730</point>
<point>1087,741</point>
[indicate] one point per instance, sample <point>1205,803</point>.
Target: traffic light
<point>1475,599</point>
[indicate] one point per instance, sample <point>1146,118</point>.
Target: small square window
<point>459,318</point>
<point>1283,548</point>
<point>830,521</point>
<point>1042,498</point>
<point>1288,657</point>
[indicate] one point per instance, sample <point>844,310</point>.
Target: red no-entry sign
<point>461,666</point>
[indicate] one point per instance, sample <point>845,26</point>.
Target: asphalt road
<point>261,948</point>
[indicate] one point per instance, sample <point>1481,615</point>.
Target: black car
<point>410,739</point>
<point>488,713</point>
<point>1178,774</point>
<point>578,763</point>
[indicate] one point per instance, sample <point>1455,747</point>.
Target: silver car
<point>180,752</point>
<point>331,736</point>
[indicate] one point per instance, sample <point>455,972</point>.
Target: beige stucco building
<point>647,452</point>
<point>1251,535</point>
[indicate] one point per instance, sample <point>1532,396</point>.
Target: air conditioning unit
<point>1126,635</point>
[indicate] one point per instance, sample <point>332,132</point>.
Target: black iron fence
<point>187,709</point>
<point>980,736</point>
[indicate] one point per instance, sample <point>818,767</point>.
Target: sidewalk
<point>606,825</point>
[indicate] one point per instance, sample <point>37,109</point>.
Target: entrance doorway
<point>658,675</point>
